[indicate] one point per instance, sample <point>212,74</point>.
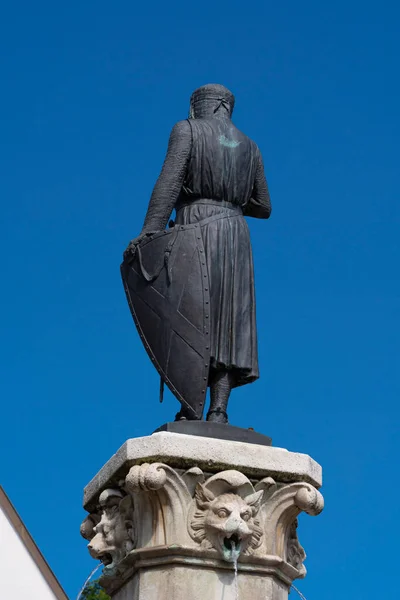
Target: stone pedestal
<point>173,516</point>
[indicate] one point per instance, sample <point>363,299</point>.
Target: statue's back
<point>222,163</point>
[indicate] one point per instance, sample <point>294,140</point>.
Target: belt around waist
<point>210,202</point>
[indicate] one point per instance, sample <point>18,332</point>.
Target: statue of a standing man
<point>213,175</point>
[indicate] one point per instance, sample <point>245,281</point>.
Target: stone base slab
<point>184,451</point>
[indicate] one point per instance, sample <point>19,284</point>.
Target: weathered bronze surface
<point>191,288</point>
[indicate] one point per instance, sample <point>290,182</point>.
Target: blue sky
<point>90,91</point>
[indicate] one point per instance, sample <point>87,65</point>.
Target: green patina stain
<point>228,143</point>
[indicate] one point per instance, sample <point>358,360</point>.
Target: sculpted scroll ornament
<point>162,497</point>
<point>280,521</point>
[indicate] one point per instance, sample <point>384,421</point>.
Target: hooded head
<point>211,100</point>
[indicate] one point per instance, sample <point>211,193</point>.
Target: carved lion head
<point>226,522</point>
<point>111,537</point>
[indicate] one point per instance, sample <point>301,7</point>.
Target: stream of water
<point>234,559</point>
<point>299,592</point>
<point>97,567</point>
<point>235,566</point>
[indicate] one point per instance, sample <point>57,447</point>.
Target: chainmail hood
<point>211,100</point>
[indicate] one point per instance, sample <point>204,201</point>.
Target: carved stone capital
<point>155,514</point>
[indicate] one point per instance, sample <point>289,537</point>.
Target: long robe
<point>222,176</point>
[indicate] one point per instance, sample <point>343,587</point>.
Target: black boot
<point>220,389</point>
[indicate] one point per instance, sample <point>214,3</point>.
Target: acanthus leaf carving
<point>280,514</point>
<point>295,554</point>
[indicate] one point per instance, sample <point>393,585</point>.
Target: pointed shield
<point>166,284</point>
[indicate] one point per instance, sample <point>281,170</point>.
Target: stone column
<point>175,516</point>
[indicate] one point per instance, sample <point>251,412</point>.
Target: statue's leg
<point>221,383</point>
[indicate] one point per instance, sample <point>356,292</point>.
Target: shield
<point>166,284</point>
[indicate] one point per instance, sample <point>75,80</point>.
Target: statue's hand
<point>131,248</point>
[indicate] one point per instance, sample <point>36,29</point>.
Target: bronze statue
<point>191,287</point>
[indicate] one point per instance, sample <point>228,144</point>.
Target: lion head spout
<point>227,521</point>
<point>110,532</point>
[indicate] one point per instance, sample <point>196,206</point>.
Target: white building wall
<point>20,578</point>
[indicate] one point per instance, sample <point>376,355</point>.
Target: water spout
<point>234,558</point>
<point>231,552</point>
<point>231,549</point>
<point>97,567</point>
<point>235,566</point>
